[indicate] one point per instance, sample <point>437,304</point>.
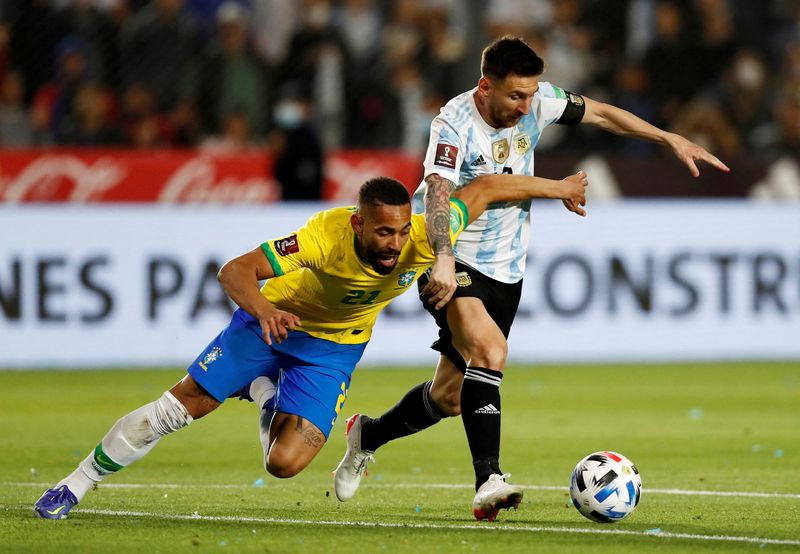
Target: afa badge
<point>406,278</point>
<point>212,356</point>
<point>522,143</point>
<point>500,150</point>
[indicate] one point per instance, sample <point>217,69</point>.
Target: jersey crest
<point>521,143</point>
<point>406,278</point>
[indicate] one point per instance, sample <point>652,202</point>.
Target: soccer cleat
<point>55,503</point>
<point>494,495</point>
<point>347,475</point>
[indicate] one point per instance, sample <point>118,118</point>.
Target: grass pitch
<point>718,447</point>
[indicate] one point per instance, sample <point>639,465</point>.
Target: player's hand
<point>690,153</point>
<point>574,197</point>
<point>442,282</point>
<point>276,324</point>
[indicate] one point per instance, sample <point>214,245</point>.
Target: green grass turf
<point>711,427</point>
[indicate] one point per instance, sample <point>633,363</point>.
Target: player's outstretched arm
<point>620,122</point>
<point>239,278</point>
<point>442,282</point>
<point>484,190</point>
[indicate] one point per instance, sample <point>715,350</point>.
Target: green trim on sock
<point>102,460</point>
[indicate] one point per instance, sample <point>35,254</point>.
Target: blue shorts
<point>312,374</point>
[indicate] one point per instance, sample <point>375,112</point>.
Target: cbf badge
<point>406,278</point>
<point>521,143</point>
<point>500,150</point>
<point>214,355</point>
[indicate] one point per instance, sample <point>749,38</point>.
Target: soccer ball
<point>605,487</point>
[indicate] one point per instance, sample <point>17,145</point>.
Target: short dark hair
<point>508,55</point>
<point>383,190</point>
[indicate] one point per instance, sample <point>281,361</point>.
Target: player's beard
<point>375,261</point>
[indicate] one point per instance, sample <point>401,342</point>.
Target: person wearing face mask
<point>293,344</point>
<point>296,149</point>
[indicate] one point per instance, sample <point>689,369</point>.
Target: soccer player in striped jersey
<point>493,128</point>
<point>295,341</point>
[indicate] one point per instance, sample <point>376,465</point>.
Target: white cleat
<point>494,495</point>
<point>347,475</point>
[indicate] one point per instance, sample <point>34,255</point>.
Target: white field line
<point>473,527</point>
<point>270,484</point>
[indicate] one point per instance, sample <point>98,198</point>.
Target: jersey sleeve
<point>561,106</point>
<point>303,248</point>
<point>445,152</point>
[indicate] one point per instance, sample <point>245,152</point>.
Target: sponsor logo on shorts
<point>212,356</point>
<point>463,279</point>
<point>446,155</point>
<point>286,246</point>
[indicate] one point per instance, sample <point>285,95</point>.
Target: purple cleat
<point>55,503</point>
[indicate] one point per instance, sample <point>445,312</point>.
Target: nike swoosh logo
<point>56,511</point>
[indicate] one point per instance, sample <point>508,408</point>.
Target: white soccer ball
<point>605,487</point>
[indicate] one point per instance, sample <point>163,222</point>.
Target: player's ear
<point>484,85</point>
<point>357,222</point>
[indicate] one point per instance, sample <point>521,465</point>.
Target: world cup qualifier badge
<point>446,155</point>
<point>212,356</point>
<point>286,246</point>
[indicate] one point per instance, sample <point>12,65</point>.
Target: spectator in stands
<point>235,135</point>
<point>232,76</point>
<point>15,126</point>
<point>745,93</point>
<point>782,135</point>
<point>88,123</point>
<point>160,47</point>
<point>296,148</point>
<point>53,101</point>
<point>317,61</point>
<point>142,124</point>
<point>671,62</point>
<point>35,33</point>
<point>80,18</point>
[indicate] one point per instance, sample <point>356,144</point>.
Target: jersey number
<point>354,296</point>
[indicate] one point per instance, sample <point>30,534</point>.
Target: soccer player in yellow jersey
<point>298,338</point>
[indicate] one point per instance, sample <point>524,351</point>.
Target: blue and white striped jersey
<point>463,146</point>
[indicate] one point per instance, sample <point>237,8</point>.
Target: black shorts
<point>500,299</point>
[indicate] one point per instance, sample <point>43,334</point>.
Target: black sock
<point>480,412</point>
<point>415,412</point>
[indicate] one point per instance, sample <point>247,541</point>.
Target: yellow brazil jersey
<point>320,278</point>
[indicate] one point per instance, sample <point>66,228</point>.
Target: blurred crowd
<point>304,76</point>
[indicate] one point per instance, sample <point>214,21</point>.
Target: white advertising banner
<point>98,286</point>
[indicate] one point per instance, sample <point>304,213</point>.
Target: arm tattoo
<point>437,213</point>
<point>311,436</point>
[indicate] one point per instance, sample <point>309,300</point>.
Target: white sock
<point>131,437</point>
<point>261,390</point>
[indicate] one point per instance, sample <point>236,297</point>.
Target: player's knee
<point>282,468</point>
<point>489,353</point>
<point>448,402</point>
<point>283,463</point>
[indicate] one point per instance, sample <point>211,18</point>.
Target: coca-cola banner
<point>179,176</point>
<point>100,285</point>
